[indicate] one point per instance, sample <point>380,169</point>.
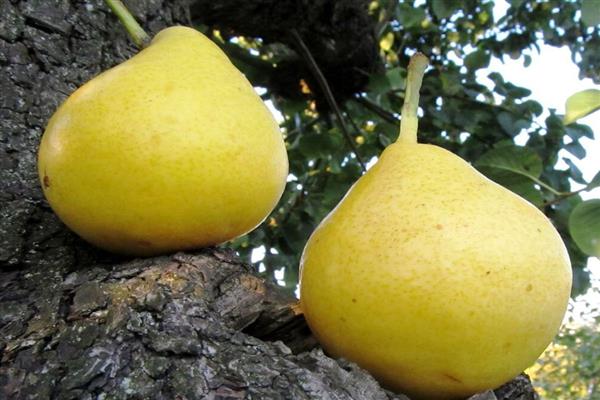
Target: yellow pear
<point>437,280</point>
<point>170,150</point>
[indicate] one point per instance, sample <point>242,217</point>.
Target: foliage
<point>584,225</point>
<point>569,369</point>
<point>478,122</point>
<point>581,104</point>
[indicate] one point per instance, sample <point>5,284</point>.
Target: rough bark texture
<point>166,328</point>
<point>76,322</point>
<point>159,328</point>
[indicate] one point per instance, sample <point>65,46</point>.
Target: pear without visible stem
<point>435,279</point>
<point>170,150</point>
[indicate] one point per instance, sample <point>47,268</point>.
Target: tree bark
<point>79,323</point>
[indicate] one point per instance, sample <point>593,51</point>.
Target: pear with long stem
<point>437,280</point>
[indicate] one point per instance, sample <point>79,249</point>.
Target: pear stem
<point>409,123</point>
<point>135,31</point>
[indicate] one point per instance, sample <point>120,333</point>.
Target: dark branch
<point>377,109</point>
<point>328,95</point>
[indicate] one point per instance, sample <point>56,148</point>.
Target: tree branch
<point>377,109</point>
<point>327,92</point>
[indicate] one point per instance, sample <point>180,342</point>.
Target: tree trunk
<point>79,323</point>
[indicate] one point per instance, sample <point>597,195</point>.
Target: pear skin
<point>435,279</point>
<point>170,150</point>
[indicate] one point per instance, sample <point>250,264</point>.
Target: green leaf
<point>576,149</point>
<point>581,104</point>
<point>444,8</point>
<point>292,107</point>
<point>517,92</point>
<point>516,168</point>
<point>499,84</point>
<point>477,59</point>
<point>410,16</point>
<point>450,83</point>
<point>532,107</point>
<point>519,160</point>
<point>553,123</point>
<point>395,79</point>
<point>516,183</point>
<point>584,225</point>
<point>379,84</point>
<point>516,3</point>
<point>574,172</point>
<point>511,125</point>
<point>595,182</point>
<point>383,83</point>
<point>590,12</point>
<point>506,122</point>
<point>577,131</point>
<point>320,145</point>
